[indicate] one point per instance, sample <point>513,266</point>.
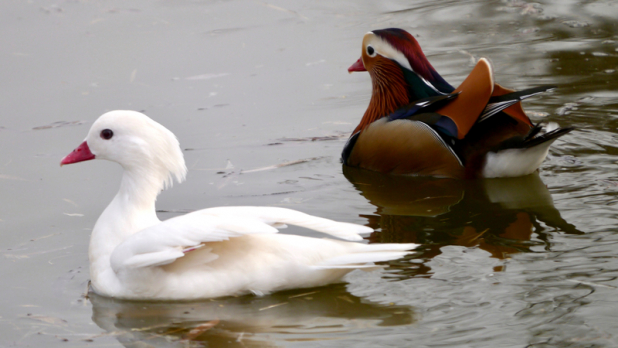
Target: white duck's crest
<point>138,143</point>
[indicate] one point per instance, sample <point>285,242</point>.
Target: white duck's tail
<point>280,217</point>
<point>365,255</point>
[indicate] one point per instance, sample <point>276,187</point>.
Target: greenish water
<point>250,85</point>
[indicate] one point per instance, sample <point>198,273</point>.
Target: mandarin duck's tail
<point>522,155</point>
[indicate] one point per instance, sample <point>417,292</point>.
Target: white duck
<point>207,253</point>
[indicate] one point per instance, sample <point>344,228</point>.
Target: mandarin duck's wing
<point>475,92</point>
<point>480,98</point>
<point>425,105</point>
<point>543,134</point>
<point>163,243</point>
<point>509,101</point>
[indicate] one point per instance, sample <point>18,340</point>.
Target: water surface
<point>261,101</point>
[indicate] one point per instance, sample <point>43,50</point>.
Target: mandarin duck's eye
<point>370,51</point>
<point>107,134</point>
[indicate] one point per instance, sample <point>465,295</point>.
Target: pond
<point>259,96</point>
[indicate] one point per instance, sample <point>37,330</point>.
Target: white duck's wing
<point>279,217</point>
<point>163,243</point>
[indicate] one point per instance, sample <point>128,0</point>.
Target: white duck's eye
<point>107,134</point>
<point>370,51</point>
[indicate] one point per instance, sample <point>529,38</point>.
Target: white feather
<point>351,260</point>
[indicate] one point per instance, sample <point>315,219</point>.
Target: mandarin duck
<point>207,253</point>
<point>417,123</point>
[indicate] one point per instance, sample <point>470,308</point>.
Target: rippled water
<point>259,96</point>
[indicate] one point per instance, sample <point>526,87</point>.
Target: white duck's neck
<point>131,210</point>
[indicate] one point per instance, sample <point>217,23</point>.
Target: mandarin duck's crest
<point>417,123</point>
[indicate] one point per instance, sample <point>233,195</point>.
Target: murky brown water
<point>247,85</point>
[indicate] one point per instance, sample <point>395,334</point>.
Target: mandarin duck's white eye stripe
<point>386,50</point>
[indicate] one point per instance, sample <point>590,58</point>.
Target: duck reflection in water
<point>496,215</point>
<point>314,314</point>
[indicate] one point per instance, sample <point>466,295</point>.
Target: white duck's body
<point>207,253</point>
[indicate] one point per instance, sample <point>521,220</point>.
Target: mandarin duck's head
<point>389,54</point>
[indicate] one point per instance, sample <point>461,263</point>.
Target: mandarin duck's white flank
<point>207,253</point>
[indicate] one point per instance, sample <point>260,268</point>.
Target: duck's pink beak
<point>358,66</point>
<point>80,154</point>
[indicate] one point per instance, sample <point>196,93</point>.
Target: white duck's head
<point>136,142</point>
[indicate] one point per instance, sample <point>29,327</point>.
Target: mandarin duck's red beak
<point>80,154</point>
<point>358,66</point>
